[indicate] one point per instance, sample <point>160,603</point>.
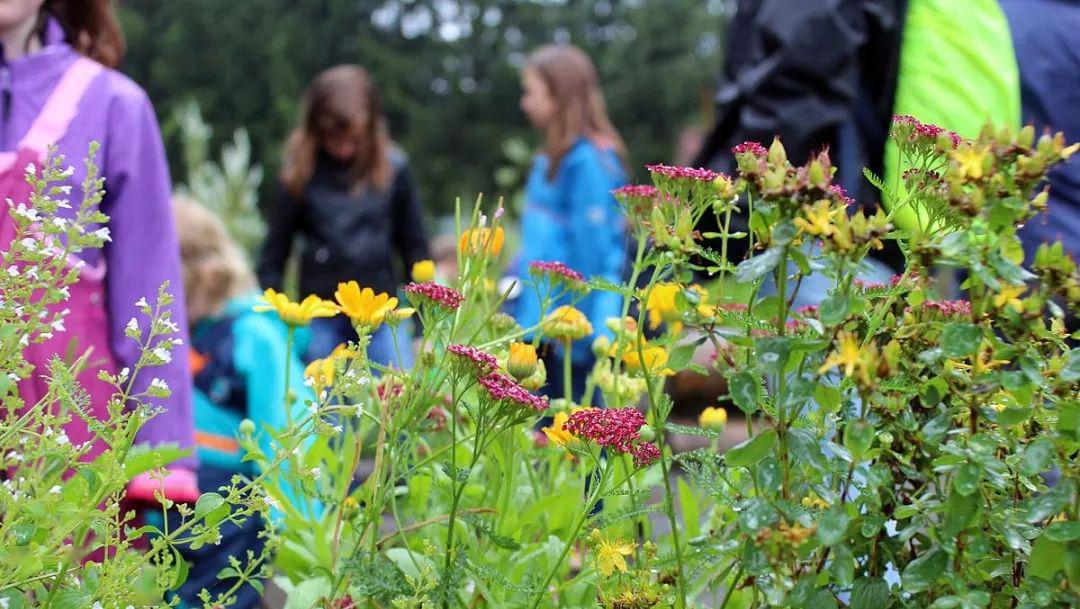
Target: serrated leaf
<point>745,390</point>
<point>960,340</point>
<point>757,267</point>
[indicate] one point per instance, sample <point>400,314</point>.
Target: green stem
<point>567,368</point>
<point>288,369</point>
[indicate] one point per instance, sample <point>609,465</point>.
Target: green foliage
<point>448,72</point>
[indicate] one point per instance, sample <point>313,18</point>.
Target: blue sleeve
<point>598,237</point>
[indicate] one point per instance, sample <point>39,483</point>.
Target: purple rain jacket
<point>143,250</point>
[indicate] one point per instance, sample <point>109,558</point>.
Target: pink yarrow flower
<point>684,173</point>
<point>754,148</point>
<point>557,270</point>
<point>438,294</point>
<point>948,308</point>
<point>646,453</point>
<point>482,361</point>
<point>502,388</point>
<point>615,428</point>
<point>842,195</point>
<point>920,129</point>
<point>642,191</point>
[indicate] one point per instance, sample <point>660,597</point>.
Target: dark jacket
<point>346,235</point>
<point>818,74</point>
<point>1046,37</point>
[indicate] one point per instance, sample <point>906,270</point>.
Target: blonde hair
<point>340,99</point>
<point>573,82</point>
<point>214,268</point>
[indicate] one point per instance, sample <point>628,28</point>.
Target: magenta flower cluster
<point>948,308</point>
<point>920,129</point>
<point>684,173</point>
<point>438,294</point>
<point>502,388</point>
<point>557,270</point>
<point>614,428</point>
<point>753,148</point>
<point>637,191</point>
<point>842,195</point>
<point>482,361</point>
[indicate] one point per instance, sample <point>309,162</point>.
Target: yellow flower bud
<point>713,418</point>
<point>521,362</point>
<point>423,271</point>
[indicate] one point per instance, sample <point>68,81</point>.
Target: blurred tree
<point>448,70</point>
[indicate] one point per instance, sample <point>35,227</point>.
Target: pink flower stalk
<point>441,295</point>
<point>920,129</point>
<point>615,428</point>
<point>684,173</point>
<point>483,362</point>
<point>842,195</point>
<point>807,310</point>
<point>642,191</point>
<point>948,308</point>
<point>754,148</point>
<point>502,388</point>
<point>867,285</point>
<point>557,270</point>
<point>645,454</point>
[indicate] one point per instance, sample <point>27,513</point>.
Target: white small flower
<point>63,203</point>
<point>336,428</point>
<point>159,384</point>
<point>162,354</point>
<point>12,271</point>
<point>46,335</point>
<point>313,408</point>
<point>66,291</point>
<point>141,303</point>
<point>315,472</point>
<point>67,172</point>
<point>358,409</point>
<point>363,380</point>
<point>132,326</point>
<point>309,382</point>
<point>60,223</point>
<point>103,233</point>
<point>271,502</point>
<point>62,439</point>
<point>28,213</point>
<point>65,189</point>
<point>124,372</point>
<point>31,169</point>
<point>58,325</point>
<point>171,326</point>
<point>30,244</point>
<point>24,340</point>
<point>55,489</point>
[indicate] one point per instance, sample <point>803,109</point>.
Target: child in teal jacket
<point>238,360</point>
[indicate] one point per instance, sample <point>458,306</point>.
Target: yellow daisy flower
<point>557,434</point>
<point>661,304</point>
<point>848,355</point>
<point>423,271</point>
<point>712,418</point>
<point>364,307</point>
<point>611,555</point>
<point>482,240</point>
<point>655,358</point>
<point>1009,296</point>
<point>295,313</point>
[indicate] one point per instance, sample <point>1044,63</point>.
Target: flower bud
<point>247,427</point>
<point>713,418</point>
<point>816,174</point>
<point>1039,202</point>
<point>423,271</point>
<point>538,378</point>
<point>521,362</point>
<point>601,346</point>
<point>647,433</point>
<point>1026,137</point>
<point>777,154</point>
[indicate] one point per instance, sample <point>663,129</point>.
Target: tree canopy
<point>448,71</point>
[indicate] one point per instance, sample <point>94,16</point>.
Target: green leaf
<point>745,390</point>
<point>180,570</point>
<point>1045,559</point>
<point>773,352</point>
<point>308,592</point>
<point>834,309</point>
<point>23,532</point>
<point>828,398</point>
<point>858,437</point>
<point>72,599</point>
<point>757,267</point>
<point>688,503</point>
<point>832,527</point>
<point>1037,457</point>
<point>1049,503</point>
<point>821,599</point>
<point>141,458</point>
<point>959,514</point>
<point>967,479</point>
<point>681,355</point>
<point>870,594</point>
<point>412,566</point>
<point>751,451</point>
<point>1070,372</point>
<point>924,571</point>
<point>768,476</point>
<point>1063,531</point>
<point>208,503</point>
<point>959,340</point>
<point>1012,416</point>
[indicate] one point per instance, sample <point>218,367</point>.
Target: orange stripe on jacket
<point>216,442</point>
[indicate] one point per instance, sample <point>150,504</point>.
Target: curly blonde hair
<point>214,267</point>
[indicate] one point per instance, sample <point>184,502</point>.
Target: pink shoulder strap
<point>60,109</point>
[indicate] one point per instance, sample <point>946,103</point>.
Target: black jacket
<point>371,236</point>
<point>819,74</point>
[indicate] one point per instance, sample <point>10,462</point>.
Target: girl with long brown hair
<point>570,215</point>
<point>349,194</point>
<point>58,88</point>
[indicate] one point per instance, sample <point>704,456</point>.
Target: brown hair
<point>91,28</point>
<point>342,98</point>
<point>214,268</point>
<point>572,80</point>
